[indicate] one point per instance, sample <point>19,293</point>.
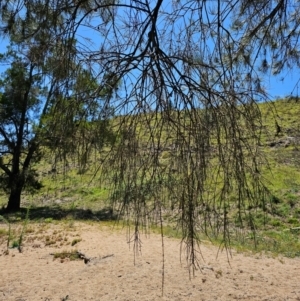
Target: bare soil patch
<point>110,272</point>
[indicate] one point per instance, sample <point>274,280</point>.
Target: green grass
<point>275,242</point>
<point>284,243</point>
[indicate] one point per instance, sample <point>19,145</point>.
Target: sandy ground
<point>112,275</point>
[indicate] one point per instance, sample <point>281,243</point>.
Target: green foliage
<point>33,116</point>
<point>9,231</point>
<point>17,241</point>
<point>21,95</point>
<point>75,241</point>
<point>20,241</point>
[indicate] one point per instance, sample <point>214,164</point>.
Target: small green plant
<point>282,210</point>
<point>23,231</point>
<point>75,241</point>
<point>294,221</point>
<point>73,206</point>
<point>275,223</point>
<point>15,244</point>
<point>9,231</point>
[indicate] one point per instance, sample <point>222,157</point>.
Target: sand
<point>112,275</point>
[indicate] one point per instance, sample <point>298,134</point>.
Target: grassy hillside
<point>70,191</point>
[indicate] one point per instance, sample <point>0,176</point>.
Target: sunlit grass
<point>81,195</point>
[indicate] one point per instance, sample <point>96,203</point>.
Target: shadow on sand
<point>60,213</point>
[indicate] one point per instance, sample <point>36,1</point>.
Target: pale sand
<point>34,275</point>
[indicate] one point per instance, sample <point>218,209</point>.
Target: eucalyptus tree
<point>192,74</point>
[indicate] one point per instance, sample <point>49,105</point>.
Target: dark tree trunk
<point>17,178</point>
<point>14,201</point>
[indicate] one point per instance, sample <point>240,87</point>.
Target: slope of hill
<point>84,192</point>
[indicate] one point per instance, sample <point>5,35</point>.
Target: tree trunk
<point>14,201</point>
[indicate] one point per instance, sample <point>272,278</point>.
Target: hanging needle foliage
<point>187,128</point>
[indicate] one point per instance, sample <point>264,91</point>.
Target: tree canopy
<point>43,105</point>
<point>191,73</point>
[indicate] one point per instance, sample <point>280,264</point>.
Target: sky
<point>285,84</point>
